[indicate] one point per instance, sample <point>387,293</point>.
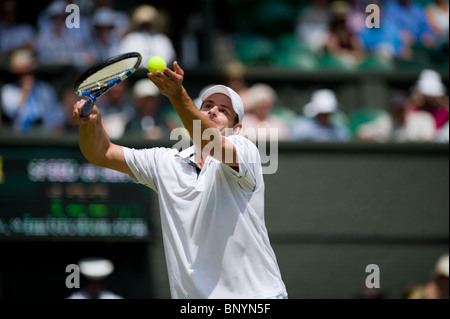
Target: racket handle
<point>87,108</point>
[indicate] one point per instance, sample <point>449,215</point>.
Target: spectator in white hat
<point>429,94</point>
<point>438,286</point>
<point>146,37</point>
<point>317,123</point>
<point>57,44</point>
<point>106,42</point>
<point>93,281</point>
<point>29,103</point>
<point>260,122</point>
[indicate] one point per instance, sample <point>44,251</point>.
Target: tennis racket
<point>101,78</point>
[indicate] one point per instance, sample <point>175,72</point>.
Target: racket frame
<point>93,94</point>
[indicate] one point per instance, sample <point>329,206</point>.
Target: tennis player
<point>211,195</point>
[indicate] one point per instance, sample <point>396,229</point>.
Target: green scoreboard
<point>53,192</point>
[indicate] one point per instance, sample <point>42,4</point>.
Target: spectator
<point>399,124</point>
<point>121,20</point>
<point>428,95</point>
<point>146,38</point>
<point>442,135</point>
<point>13,35</point>
<point>258,124</point>
<point>357,15</point>
<point>313,24</point>
<point>437,287</point>
<point>93,283</point>
<point>68,99</point>
<point>149,121</point>
<point>317,124</point>
<point>117,110</point>
<point>413,291</point>
<point>58,44</point>
<point>437,14</point>
<point>385,42</point>
<point>235,74</point>
<point>29,102</point>
<point>341,44</point>
<point>410,18</point>
<point>105,40</point>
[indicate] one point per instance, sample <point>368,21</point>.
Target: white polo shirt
<point>215,238</point>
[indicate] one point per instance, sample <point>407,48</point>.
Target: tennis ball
<point>156,63</point>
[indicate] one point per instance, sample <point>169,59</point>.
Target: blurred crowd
<point>331,33</point>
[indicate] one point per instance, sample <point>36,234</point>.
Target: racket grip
<point>87,108</point>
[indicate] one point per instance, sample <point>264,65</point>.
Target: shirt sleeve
<point>249,160</point>
<point>143,164</point>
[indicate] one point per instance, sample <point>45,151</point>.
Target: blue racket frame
<point>93,94</point>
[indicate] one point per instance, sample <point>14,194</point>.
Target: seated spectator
<point>117,110</point>
<point>438,285</point>
<point>428,95</point>
<point>437,14</point>
<point>13,35</point>
<point>410,18</point>
<point>235,77</point>
<point>341,44</point>
<point>149,121</point>
<point>146,38</point>
<point>313,24</point>
<point>95,273</point>
<point>58,44</point>
<point>121,20</point>
<point>357,15</point>
<point>259,122</point>
<point>442,135</point>
<point>30,103</point>
<point>399,124</point>
<point>317,124</point>
<point>385,42</point>
<point>105,41</point>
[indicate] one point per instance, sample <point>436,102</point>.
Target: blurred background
<point>357,91</point>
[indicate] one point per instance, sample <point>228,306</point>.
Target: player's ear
<point>237,128</point>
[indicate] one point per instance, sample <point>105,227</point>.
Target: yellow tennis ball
<point>156,63</point>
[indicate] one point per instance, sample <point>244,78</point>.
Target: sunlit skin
<point>220,111</point>
<point>169,83</point>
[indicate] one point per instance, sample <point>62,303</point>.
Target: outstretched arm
<point>170,83</point>
<point>94,142</point>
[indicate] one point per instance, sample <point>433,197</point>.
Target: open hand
<point>170,83</point>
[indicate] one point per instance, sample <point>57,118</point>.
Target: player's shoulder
<point>241,141</point>
<point>154,151</point>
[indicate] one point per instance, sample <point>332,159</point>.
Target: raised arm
<point>95,144</point>
<point>170,83</point>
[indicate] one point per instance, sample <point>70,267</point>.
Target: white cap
<point>261,92</point>
<point>430,83</point>
<point>96,268</point>
<point>104,17</point>
<point>236,101</point>
<point>57,8</point>
<point>322,101</point>
<point>145,87</point>
<point>442,265</point>
<point>198,101</point>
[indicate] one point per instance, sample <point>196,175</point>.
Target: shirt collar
<point>187,154</point>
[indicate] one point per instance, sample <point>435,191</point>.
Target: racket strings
<point>109,72</point>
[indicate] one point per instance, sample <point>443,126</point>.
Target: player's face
<point>220,111</point>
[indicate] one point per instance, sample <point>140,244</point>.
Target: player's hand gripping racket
<point>100,79</point>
